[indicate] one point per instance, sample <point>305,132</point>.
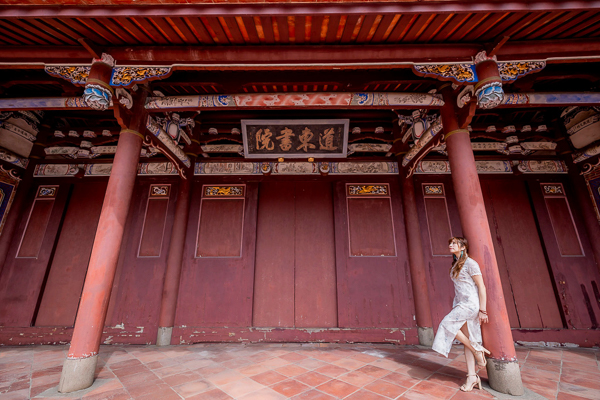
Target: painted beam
<point>43,103</point>
<point>39,9</point>
<point>301,57</point>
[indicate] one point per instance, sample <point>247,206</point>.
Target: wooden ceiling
<point>342,28</point>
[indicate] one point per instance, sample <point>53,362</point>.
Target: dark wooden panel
<point>137,289</point>
<point>370,227</point>
<point>154,228</point>
<point>217,291</point>
<point>36,228</point>
<point>274,277</point>
<point>315,280</point>
<point>564,229</point>
<point>372,291</point>
<point>519,243</point>
<point>220,229</point>
<point>69,264</point>
<point>22,278</point>
<point>438,224</point>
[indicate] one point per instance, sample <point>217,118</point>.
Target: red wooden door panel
<point>530,288</point>
<point>373,290</point>
<point>217,275</point>
<point>69,265</point>
<point>295,256</point>
<point>23,276</point>
<point>569,252</point>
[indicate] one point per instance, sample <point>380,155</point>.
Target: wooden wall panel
<point>576,277</point>
<point>137,289</point>
<point>154,227</point>
<point>530,287</point>
<point>275,248</point>
<point>433,229</point>
<point>438,224</point>
<point>220,229</point>
<point>315,280</point>
<point>564,228</point>
<point>218,291</point>
<point>36,228</point>
<point>373,292</point>
<point>370,227</point>
<point>60,299</point>
<point>22,278</point>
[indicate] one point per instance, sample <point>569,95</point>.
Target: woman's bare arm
<point>478,279</point>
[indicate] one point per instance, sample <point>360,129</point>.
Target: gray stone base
<point>77,374</point>
<point>425,336</point>
<point>505,376</point>
<point>163,338</point>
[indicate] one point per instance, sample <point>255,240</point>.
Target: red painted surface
<point>22,278</point>
<point>275,246</point>
<point>474,221</point>
<point>530,298</point>
<point>136,292</point>
<point>418,271</point>
<point>105,252</point>
<point>168,303</point>
<point>574,276</point>
<point>60,299</point>
<point>32,239</point>
<point>370,227</point>
<point>315,300</point>
<point>372,291</point>
<point>221,228</point>
<point>154,227</point>
<point>217,291</point>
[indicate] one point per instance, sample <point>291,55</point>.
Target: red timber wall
<point>291,259</point>
<point>549,275</point>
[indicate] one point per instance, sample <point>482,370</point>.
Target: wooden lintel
<point>94,51</point>
<point>321,57</point>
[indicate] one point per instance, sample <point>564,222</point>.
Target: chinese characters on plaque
<point>295,138</point>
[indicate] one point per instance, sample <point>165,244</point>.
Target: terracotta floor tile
<point>268,378</point>
<point>225,377</point>
<point>363,357</point>
<point>420,373</point>
<point>211,370</point>
<point>213,394</point>
<point>385,388</point>
<point>263,394</point>
<point>293,357</point>
<point>386,364</point>
<point>168,371</point>
<point>356,378</point>
<point>365,395</point>
<point>252,369</point>
<point>145,388</point>
<point>331,370</point>
<point>179,379</point>
<point>117,394</point>
<point>476,394</point>
<point>311,363</point>
<point>327,357</point>
<point>401,379</point>
<point>568,396</point>
<point>578,390</point>
<point>241,387</point>
<point>274,363</point>
<point>337,388</point>
<point>191,388</point>
<point>291,370</point>
<point>435,390</point>
<point>349,363</point>
<point>290,387</point>
<point>576,380</point>
<point>112,385</point>
<point>414,395</point>
<point>374,371</point>
<point>162,394</point>
<point>447,380</point>
<point>313,395</point>
<point>312,378</point>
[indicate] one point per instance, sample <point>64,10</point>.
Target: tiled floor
<point>280,371</point>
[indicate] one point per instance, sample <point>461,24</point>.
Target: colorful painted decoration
<point>223,191</point>
<point>483,167</point>
<point>8,187</point>
<point>160,190</point>
<point>77,75</point>
<point>169,143</point>
<point>433,190</point>
<point>489,95</point>
<point>46,192</point>
<point>458,73</point>
<point>368,190</point>
<point>554,189</point>
<point>97,97</point>
<point>13,158</point>
<point>125,76</point>
<point>510,71</point>
<point>542,167</point>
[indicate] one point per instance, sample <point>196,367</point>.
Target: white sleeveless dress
<point>465,308</point>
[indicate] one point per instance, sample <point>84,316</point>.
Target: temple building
<point>261,171</point>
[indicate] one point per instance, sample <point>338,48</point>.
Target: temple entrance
<point>295,279</point>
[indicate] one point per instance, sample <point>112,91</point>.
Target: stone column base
<point>425,336</point>
<point>163,338</point>
<point>77,374</point>
<point>505,376</point>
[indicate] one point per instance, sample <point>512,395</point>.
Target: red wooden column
<point>417,263</point>
<point>174,260</point>
<point>80,365</point>
<point>503,368</point>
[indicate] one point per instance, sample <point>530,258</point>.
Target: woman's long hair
<point>459,262</point>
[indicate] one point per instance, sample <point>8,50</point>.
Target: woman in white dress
<point>468,312</point>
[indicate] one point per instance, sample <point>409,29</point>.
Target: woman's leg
<point>463,337</point>
<point>469,357</point>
